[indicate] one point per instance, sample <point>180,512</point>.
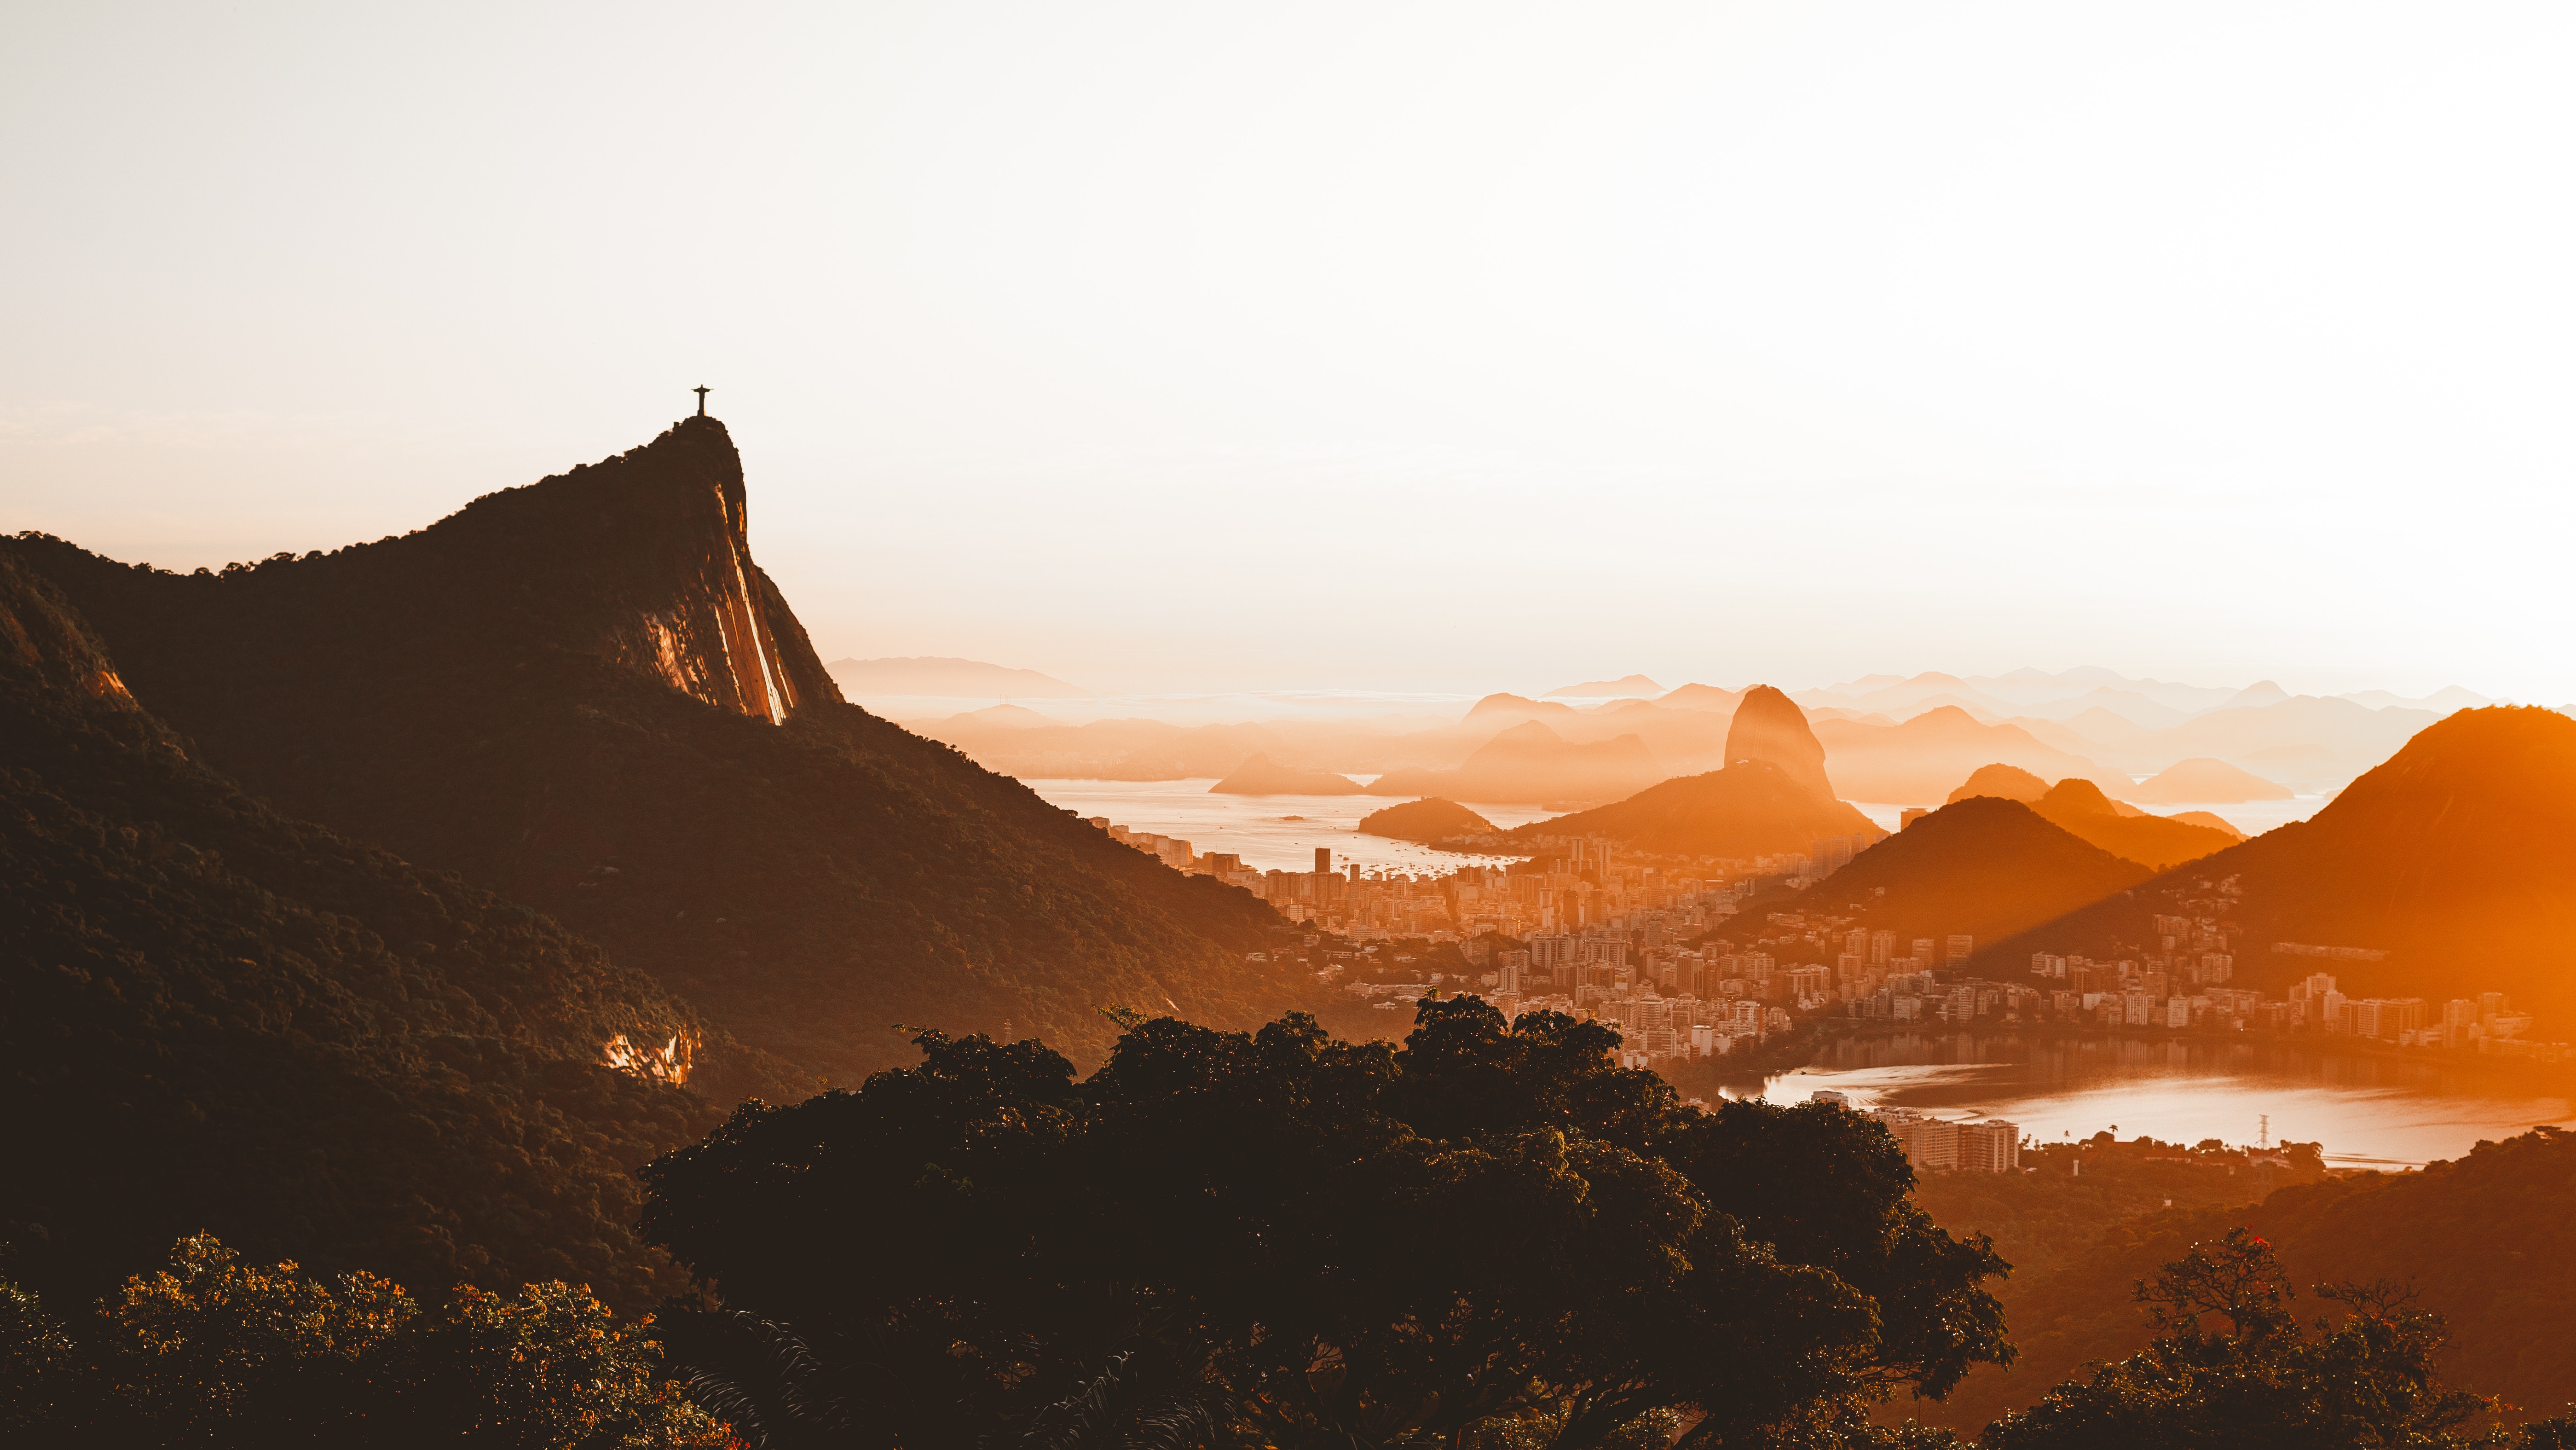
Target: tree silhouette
<point>2367,1380</point>
<point>1348,1243</point>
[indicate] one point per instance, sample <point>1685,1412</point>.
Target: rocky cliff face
<point>721,632</point>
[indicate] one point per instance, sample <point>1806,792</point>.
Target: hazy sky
<point>1441,347</point>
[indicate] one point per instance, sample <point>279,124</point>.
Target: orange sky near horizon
<point>1440,347</point>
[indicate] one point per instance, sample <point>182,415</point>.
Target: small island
<point>1427,820</point>
<point>1260,775</point>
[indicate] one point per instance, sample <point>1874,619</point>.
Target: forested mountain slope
<point>213,1017</point>
<point>566,693</point>
<point>2456,858</point>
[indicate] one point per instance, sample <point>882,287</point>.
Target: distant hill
<point>2212,781</point>
<point>2255,696</point>
<point>1701,697</point>
<point>2205,818</point>
<point>2155,842</point>
<point>1752,808</point>
<point>1260,775</point>
<point>2127,704</point>
<point>1630,685</point>
<point>2457,858</point>
<point>1430,819</point>
<point>1922,758</point>
<point>1530,762</point>
<point>1501,709</point>
<point>1025,745</point>
<point>2306,741</point>
<point>934,675</point>
<point>1769,726</point>
<point>2004,782</point>
<point>997,717</point>
<point>1985,867</point>
<point>216,1017</point>
<point>585,695</point>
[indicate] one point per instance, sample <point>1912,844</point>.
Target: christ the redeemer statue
<point>701,391</point>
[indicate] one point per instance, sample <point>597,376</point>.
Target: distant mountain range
<point>1631,686</point>
<point>935,676</point>
<point>1531,762</point>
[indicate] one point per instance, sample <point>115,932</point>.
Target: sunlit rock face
<point>670,1062</point>
<point>706,620</point>
<point>1770,726</point>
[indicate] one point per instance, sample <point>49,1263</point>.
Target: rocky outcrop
<point>1769,726</point>
<point>719,630</point>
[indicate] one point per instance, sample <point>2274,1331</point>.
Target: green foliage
<point>212,1351</point>
<point>1376,1244</point>
<point>2230,1365</point>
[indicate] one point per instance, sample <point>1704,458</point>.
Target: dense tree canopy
<point>1324,1242</point>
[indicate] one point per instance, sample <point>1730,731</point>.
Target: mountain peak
<point>1768,725</point>
<point>2007,782</point>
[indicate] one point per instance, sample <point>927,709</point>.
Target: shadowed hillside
<point>2078,806</point>
<point>1985,866</point>
<point>2479,1239</point>
<point>565,692</point>
<point>1752,808</point>
<point>2457,857</point>
<point>213,1017</point>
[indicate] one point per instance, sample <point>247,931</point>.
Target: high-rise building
<point>1882,948</point>
<point>2459,1021</point>
<point>1990,1147</point>
<point>1323,860</point>
<point>1962,948</point>
<point>1924,953</point>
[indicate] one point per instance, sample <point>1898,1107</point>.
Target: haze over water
<point>2370,1112</point>
<point>1270,832</point>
